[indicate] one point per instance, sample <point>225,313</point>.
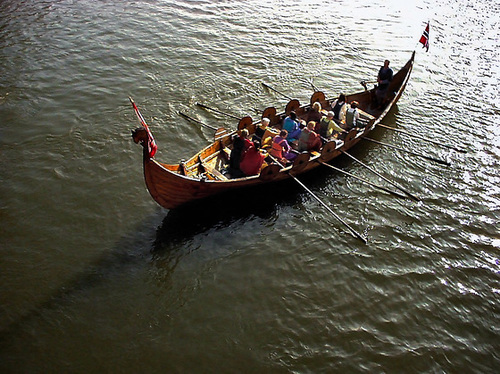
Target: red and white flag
<point>424,39</point>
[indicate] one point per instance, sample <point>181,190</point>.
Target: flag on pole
<point>152,147</point>
<point>424,39</point>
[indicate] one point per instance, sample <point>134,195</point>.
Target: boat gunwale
<point>284,172</point>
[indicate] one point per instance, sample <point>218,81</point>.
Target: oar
<point>217,111</point>
<point>422,138</point>
<point>442,162</point>
<point>196,121</point>
<point>363,180</point>
<point>364,84</point>
<point>354,232</point>
<point>311,83</point>
<point>272,89</point>
<point>381,176</point>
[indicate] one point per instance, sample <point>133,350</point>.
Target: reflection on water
<point>220,212</point>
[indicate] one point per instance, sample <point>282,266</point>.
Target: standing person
<point>352,116</point>
<point>384,78</point>
<point>291,125</point>
<point>339,108</point>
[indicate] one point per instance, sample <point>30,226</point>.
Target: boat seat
<point>211,170</point>
<point>364,114</point>
<point>216,173</point>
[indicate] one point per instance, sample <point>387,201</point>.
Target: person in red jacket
<point>252,160</point>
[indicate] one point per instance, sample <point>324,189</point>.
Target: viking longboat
<point>202,175</point>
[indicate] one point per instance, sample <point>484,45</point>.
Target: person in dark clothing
<point>384,78</point>
<point>339,108</point>
<point>240,145</point>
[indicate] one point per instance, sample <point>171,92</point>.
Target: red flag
<point>152,147</point>
<point>424,39</point>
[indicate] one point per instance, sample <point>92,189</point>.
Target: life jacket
<point>349,117</point>
<point>323,126</point>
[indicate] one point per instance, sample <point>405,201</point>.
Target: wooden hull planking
<point>172,186</point>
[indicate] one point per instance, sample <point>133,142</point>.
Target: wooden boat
<point>202,176</point>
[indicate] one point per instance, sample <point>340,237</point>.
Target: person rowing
<point>281,149</point>
<point>339,108</point>
<point>352,116</point>
<point>328,127</point>
<point>309,140</point>
<point>291,125</point>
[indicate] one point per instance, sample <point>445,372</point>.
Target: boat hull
<point>171,189</point>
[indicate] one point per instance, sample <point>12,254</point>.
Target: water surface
<point>96,277</point>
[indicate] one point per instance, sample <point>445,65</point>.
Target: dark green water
<point>95,277</point>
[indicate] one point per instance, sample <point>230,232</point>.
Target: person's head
<point>244,133</point>
<point>265,122</point>
<point>386,63</point>
<point>341,97</point>
<point>283,134</point>
<point>354,104</point>
<point>317,106</point>
<point>293,115</point>
<point>302,124</point>
<point>311,125</point>
<point>330,115</point>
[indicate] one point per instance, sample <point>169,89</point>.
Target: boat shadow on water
<point>236,207</point>
<point>264,201</point>
<point>170,240</point>
<point>219,212</point>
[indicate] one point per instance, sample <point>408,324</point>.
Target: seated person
<point>327,126</point>
<point>240,146</point>
<point>291,125</point>
<point>309,140</point>
<point>314,113</point>
<point>260,130</point>
<point>339,108</point>
<point>252,160</point>
<point>352,116</point>
<point>281,149</point>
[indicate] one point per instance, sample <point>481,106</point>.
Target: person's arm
<point>332,126</point>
